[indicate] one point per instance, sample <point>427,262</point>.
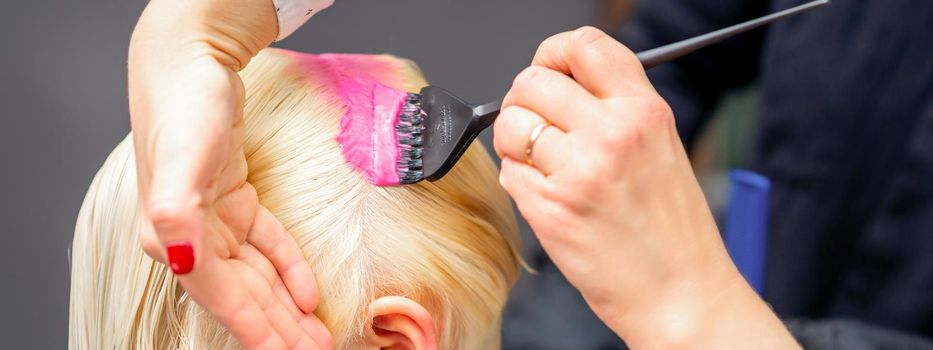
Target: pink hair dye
<point>368,139</point>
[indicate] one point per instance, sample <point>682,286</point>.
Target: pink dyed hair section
<point>368,138</point>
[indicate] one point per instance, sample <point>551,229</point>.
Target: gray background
<point>63,99</point>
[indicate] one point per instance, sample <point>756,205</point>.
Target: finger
<point>183,159</point>
<point>236,210</point>
<point>151,245</point>
<point>520,180</point>
<point>235,168</point>
<point>285,324</point>
<point>278,288</point>
<point>525,185</point>
<point>309,322</point>
<point>317,333</point>
<point>277,245</point>
<point>512,134</point>
<point>554,96</point>
<point>253,258</point>
<point>598,62</point>
<point>179,227</point>
<point>218,287</point>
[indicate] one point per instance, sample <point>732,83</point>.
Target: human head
<point>430,260</point>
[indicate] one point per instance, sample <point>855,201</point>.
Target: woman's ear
<point>400,324</point>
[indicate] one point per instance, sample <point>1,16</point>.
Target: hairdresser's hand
<point>231,255</point>
<point>614,201</point>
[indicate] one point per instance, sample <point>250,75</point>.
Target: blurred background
<point>63,93</point>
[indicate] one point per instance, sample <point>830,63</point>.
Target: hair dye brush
<point>436,127</point>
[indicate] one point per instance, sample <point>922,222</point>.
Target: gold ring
<point>538,130</point>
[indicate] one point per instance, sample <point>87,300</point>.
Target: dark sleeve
<point>851,334</point>
<point>694,84</point>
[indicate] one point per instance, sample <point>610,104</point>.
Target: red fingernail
<point>180,257</point>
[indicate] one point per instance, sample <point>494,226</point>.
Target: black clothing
<point>853,335</point>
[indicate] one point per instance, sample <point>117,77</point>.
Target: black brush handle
<point>666,53</point>
<point>486,114</point>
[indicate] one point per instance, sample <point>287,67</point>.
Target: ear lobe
<point>401,324</point>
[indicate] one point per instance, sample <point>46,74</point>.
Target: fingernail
<point>180,257</point>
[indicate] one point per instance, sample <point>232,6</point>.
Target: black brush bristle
<point>435,128</point>
<point>411,144</point>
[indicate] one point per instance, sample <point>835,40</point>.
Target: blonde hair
<point>449,245</point>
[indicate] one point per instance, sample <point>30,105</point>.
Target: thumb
<point>176,205</point>
<point>179,227</point>
<point>184,155</point>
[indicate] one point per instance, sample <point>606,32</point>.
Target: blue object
<point>746,233</point>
